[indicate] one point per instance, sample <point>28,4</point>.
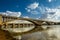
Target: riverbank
<point>5,35</point>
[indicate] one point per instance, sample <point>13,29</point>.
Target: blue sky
<point>38,9</point>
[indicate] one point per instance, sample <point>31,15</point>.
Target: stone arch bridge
<point>4,19</point>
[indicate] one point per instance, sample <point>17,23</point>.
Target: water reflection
<point>17,37</point>
<point>53,33</point>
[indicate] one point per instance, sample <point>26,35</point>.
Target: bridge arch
<point>9,19</point>
<point>32,30</point>
<point>19,24</point>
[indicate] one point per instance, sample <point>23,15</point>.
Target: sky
<point>36,9</point>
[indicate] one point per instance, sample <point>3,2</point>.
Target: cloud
<point>51,14</point>
<point>33,5</point>
<point>51,0</point>
<point>10,13</point>
<point>38,18</point>
<point>54,13</point>
<point>28,10</point>
<point>25,17</point>
<point>45,12</point>
<point>34,12</point>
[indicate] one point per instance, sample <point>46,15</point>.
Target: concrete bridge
<point>4,19</point>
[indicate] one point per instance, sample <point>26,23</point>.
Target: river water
<point>53,33</point>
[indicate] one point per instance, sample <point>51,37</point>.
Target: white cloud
<point>51,14</point>
<point>51,0</point>
<point>10,13</point>
<point>25,17</point>
<point>45,12</point>
<point>38,18</point>
<point>31,8</point>
<point>34,12</point>
<point>33,5</point>
<point>28,10</point>
<point>54,13</point>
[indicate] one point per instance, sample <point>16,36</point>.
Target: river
<point>51,34</point>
